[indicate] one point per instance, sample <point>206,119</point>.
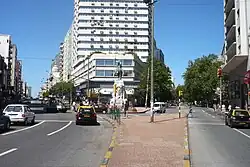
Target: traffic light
<point>219,72</point>
<point>180,93</point>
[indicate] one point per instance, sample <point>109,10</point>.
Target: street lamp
<point>151,3</point>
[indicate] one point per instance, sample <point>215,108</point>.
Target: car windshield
<point>241,113</point>
<point>86,110</point>
<point>14,109</point>
<point>157,105</point>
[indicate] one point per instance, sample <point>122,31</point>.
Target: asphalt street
<point>55,141</point>
<point>214,144</point>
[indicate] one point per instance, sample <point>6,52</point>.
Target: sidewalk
<point>144,144</point>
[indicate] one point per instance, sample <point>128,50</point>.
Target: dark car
<point>4,122</point>
<point>86,114</point>
<point>237,117</point>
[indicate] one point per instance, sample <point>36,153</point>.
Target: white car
<point>20,113</point>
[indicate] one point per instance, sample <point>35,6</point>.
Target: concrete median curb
<point>108,154</point>
<point>187,151</point>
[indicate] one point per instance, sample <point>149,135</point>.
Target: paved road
<point>215,145</point>
<point>55,143</point>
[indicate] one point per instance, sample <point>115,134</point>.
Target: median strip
<point>186,162</point>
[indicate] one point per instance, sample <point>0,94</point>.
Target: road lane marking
<point>242,133</point>
<point>7,152</point>
<point>19,130</point>
<point>60,129</point>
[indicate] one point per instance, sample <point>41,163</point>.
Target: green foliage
<point>62,88</point>
<point>200,78</point>
<point>46,94</point>
<point>162,81</point>
<point>177,89</point>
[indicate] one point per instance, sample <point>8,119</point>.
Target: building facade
<point>100,71</point>
<point>18,75</point>
<point>236,48</point>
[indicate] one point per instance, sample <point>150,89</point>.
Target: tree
<point>200,78</point>
<point>62,88</point>
<point>179,88</point>
<point>46,94</point>
<point>162,81</point>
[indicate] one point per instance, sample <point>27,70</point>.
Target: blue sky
<point>184,30</point>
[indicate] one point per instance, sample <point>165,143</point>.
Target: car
<point>237,117</point>
<point>159,107</point>
<point>86,114</point>
<point>4,122</point>
<point>19,113</point>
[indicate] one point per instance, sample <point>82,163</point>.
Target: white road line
<point>60,129</point>
<point>19,130</point>
<point>203,111</point>
<point>7,152</point>
<point>242,133</point>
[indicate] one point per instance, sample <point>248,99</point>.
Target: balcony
<point>229,4</point>
<point>231,50</point>
<point>231,33</point>
<point>230,18</point>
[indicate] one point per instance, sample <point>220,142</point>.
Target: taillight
<point>94,115</point>
<point>23,115</point>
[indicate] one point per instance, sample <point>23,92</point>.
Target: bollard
<point>179,112</point>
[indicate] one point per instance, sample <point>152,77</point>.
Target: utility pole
<point>151,3</point>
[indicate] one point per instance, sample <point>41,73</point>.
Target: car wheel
<point>26,122</point>
<point>77,123</point>
<point>33,121</point>
<point>7,126</point>
<point>231,125</point>
<point>226,123</point>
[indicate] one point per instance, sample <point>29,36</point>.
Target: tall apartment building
<point>236,48</point>
<point>13,76</point>
<point>61,61</point>
<point>19,76</point>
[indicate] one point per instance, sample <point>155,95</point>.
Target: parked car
<point>20,113</point>
<point>4,122</point>
<point>237,117</point>
<point>86,114</point>
<point>160,107</point>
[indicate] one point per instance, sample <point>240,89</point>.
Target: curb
<point>187,151</point>
<point>108,154</point>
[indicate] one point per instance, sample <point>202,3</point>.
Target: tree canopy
<point>162,81</point>
<point>62,88</point>
<point>200,78</point>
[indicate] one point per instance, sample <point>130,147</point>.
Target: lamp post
<point>151,3</point>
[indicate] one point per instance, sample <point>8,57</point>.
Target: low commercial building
<point>100,72</point>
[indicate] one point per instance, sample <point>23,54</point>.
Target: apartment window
<point>110,32</point>
<point>100,73</point>
<point>117,33</point>
<point>126,25</point>
<point>102,18</point>
<point>93,4</point>
<point>135,5</point>
<point>101,46</point>
<point>110,39</point>
<point>117,4</point>
<point>116,46</point>
<point>102,4</point>
<point>135,40</point>
<point>126,11</point>
<point>102,10</point>
<point>108,73</point>
<point>135,26</point>
<point>92,46</point>
<point>101,39</point>
<point>111,11</point>
<point>111,4</point>
<point>126,33</point>
<point>125,47</point>
<point>135,47</point>
<point>110,25</point>
<point>100,62</point>
<point>117,40</point>
<point>126,4</point>
<point>92,39</point>
<point>92,11</point>
<point>92,18</point>
<point>109,62</point>
<point>117,11</point>
<point>110,17</point>
<point>117,18</point>
<point>128,73</point>
<point>126,18</point>
<point>117,25</point>
<point>101,32</point>
<point>127,62</point>
<point>135,18</point>
<point>110,47</point>
<point>135,12</point>
<point>126,40</point>
<point>135,33</point>
<point>92,32</point>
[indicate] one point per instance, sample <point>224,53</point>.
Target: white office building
<point>236,48</point>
